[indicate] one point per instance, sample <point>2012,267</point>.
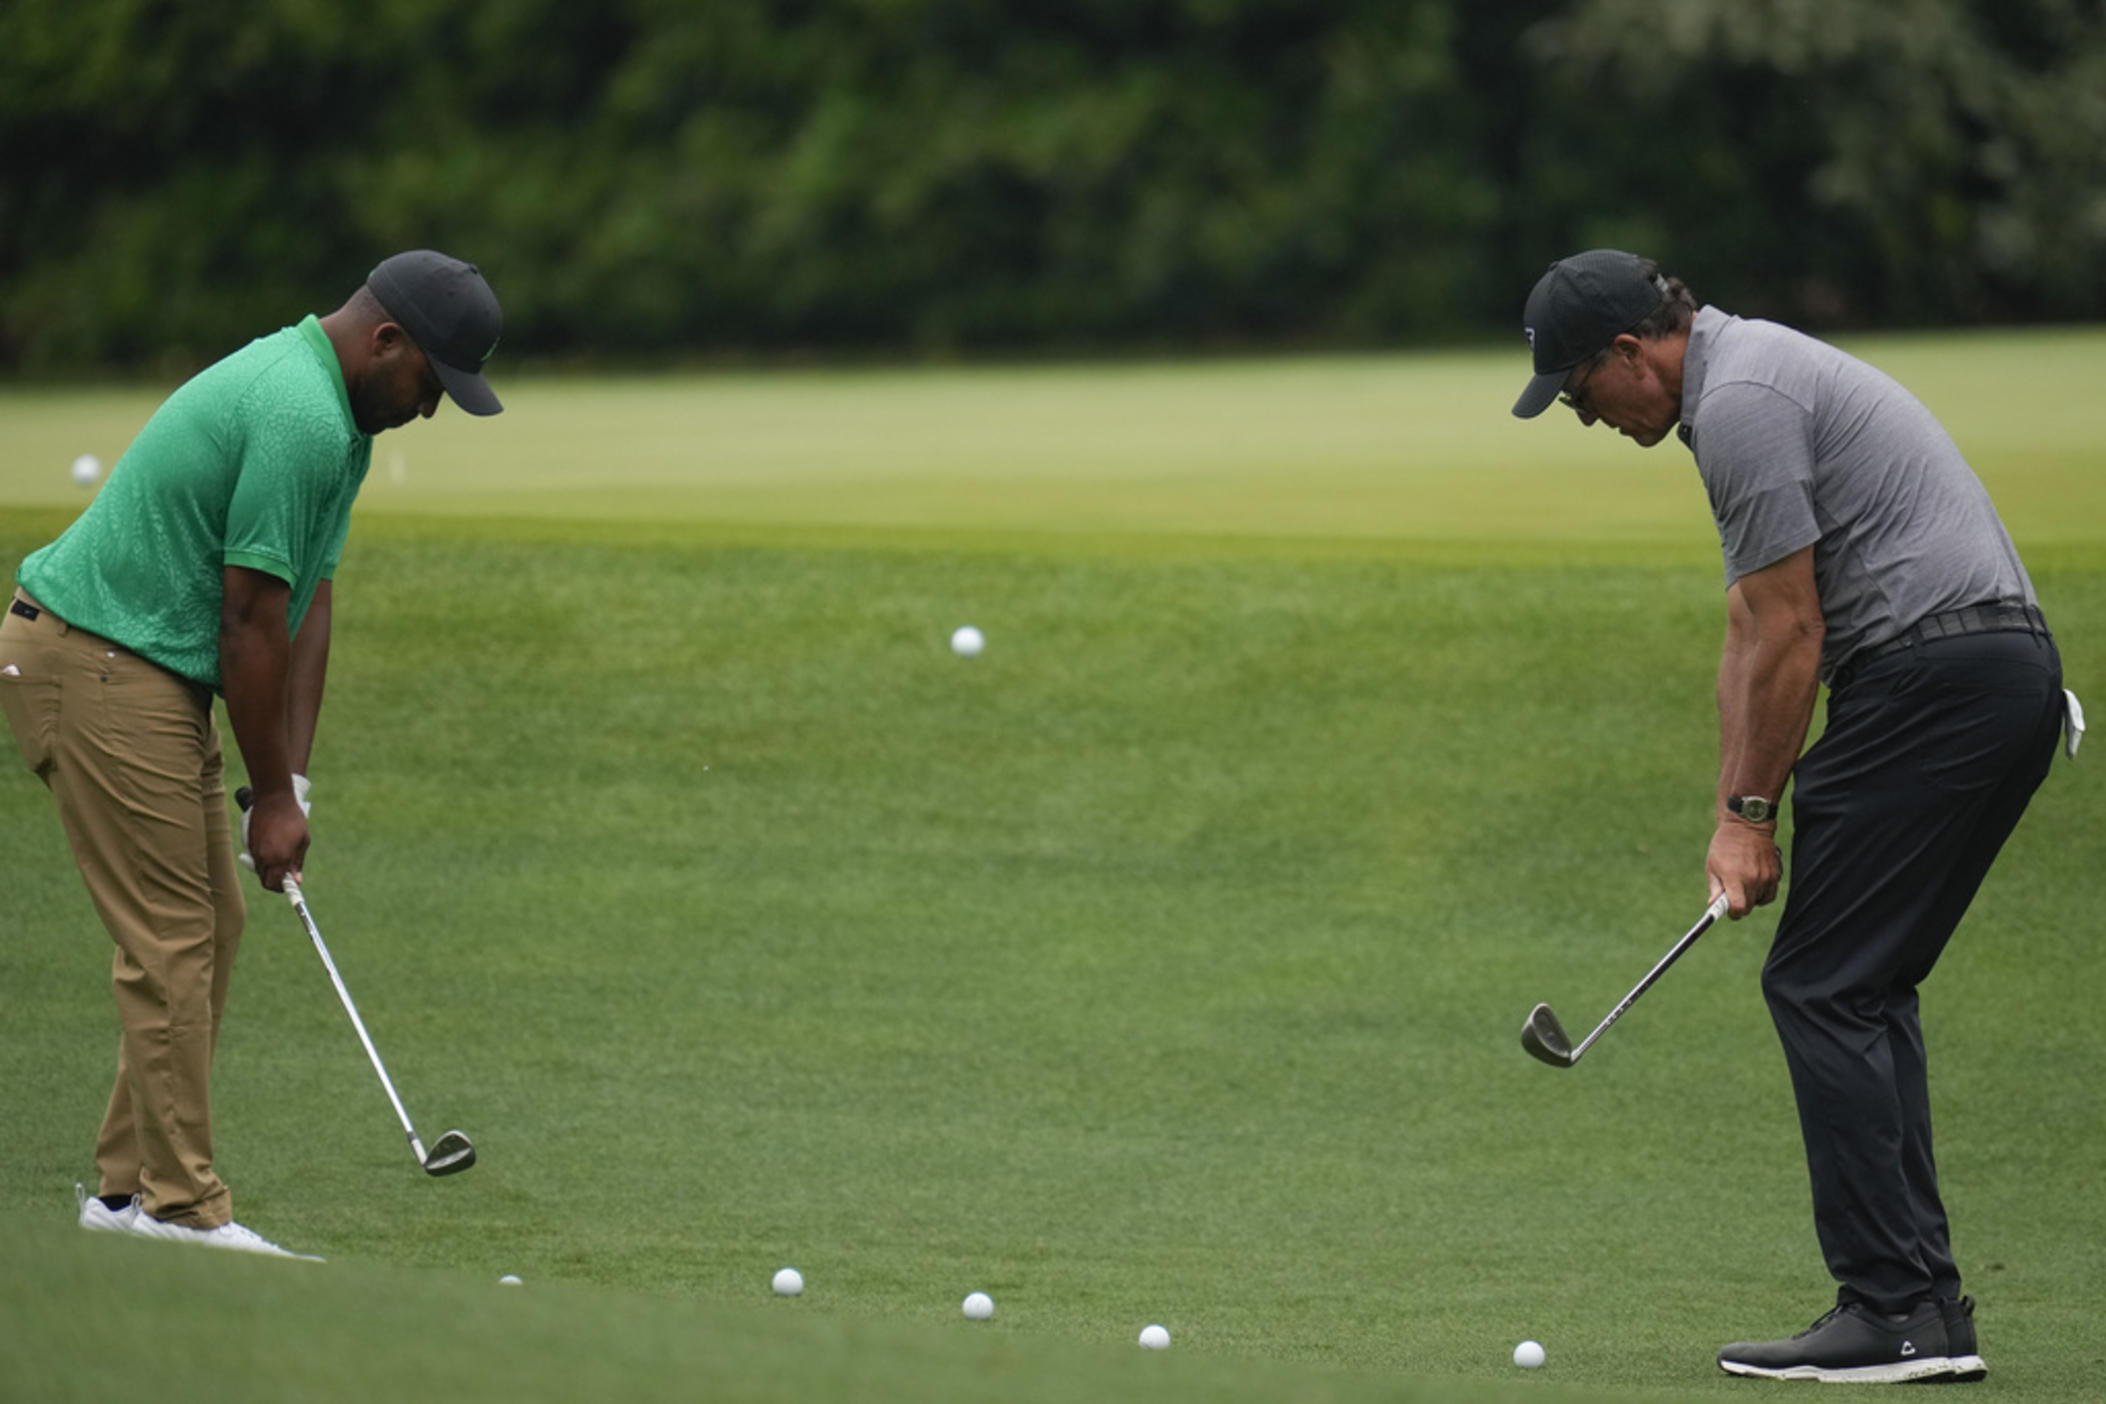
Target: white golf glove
<point>301,785</point>
<point>2072,723</point>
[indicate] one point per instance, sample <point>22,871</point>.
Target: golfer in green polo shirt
<point>204,566</point>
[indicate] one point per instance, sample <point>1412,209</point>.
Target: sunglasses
<point>1575,399</point>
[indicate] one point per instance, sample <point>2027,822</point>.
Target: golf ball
<point>966,642</point>
<point>789,1282</point>
<point>1154,1338</point>
<point>979,1306</point>
<point>86,469</point>
<point>1528,1355</point>
<point>508,1280</point>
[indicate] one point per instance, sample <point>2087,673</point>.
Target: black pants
<point>1929,759</point>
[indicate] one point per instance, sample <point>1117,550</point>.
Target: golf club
<point>451,1153</point>
<point>1544,1037</point>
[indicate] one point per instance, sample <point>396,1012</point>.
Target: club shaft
<point>1712,913</point>
<point>321,948</point>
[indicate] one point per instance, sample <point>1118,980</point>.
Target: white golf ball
<point>1154,1338</point>
<point>979,1306</point>
<point>508,1280</point>
<point>1528,1355</point>
<point>789,1282</point>
<point>967,642</point>
<point>86,469</point>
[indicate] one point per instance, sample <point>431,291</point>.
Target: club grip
<point>244,797</point>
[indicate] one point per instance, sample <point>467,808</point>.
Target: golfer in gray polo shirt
<point>1861,551</point>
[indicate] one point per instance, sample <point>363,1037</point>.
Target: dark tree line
<point>650,176</point>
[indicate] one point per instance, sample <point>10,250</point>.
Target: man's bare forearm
<point>309,670</point>
<point>1769,676</point>
<point>254,663</point>
<point>1735,663</point>
<point>1779,682</point>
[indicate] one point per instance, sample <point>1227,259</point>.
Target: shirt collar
<point>310,330</point>
<point>1695,361</point>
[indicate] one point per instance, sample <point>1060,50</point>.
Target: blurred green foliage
<point>650,176</point>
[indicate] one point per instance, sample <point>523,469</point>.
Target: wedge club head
<point>1544,1038</point>
<point>450,1155</point>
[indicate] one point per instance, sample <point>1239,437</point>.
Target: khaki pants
<point>130,753</point>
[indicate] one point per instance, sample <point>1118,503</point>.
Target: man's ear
<point>388,340</point>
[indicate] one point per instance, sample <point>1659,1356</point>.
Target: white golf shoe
<point>94,1214</point>
<point>232,1236</point>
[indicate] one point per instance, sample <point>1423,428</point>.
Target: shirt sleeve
<point>336,548</point>
<point>1754,449</point>
<point>280,466</point>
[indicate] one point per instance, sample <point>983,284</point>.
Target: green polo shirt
<point>254,462</point>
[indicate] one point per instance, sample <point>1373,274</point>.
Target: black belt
<point>1952,624</point>
<point>27,611</point>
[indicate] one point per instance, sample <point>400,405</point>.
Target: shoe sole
<point>1931,1367</point>
<point>1966,1369</point>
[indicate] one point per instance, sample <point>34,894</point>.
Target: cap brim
<point>1542,391</point>
<point>467,389</point>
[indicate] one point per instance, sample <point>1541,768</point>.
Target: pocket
<point>143,709</point>
<point>20,689</point>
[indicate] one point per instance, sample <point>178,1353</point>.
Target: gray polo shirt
<point>1801,445</point>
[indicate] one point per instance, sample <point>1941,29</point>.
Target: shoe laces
<point>1827,1316</point>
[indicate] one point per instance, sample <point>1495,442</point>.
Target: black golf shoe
<point>1852,1344</point>
<point>1959,1340</point>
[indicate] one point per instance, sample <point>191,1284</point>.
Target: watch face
<point>1753,809</point>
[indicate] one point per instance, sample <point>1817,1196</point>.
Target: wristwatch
<point>1753,808</point>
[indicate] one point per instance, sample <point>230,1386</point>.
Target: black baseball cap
<point>1576,309</point>
<point>452,315</point>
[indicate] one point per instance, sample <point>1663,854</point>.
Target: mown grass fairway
<point>1163,964</point>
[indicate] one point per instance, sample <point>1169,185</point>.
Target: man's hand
<point>274,833</point>
<point>1745,864</point>
<point>302,788</point>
